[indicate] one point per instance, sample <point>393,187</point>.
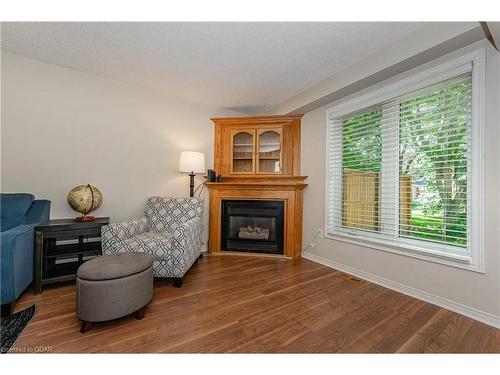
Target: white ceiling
<point>247,67</point>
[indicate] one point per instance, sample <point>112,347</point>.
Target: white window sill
<point>409,251</point>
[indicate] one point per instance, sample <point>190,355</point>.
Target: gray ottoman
<point>112,286</point>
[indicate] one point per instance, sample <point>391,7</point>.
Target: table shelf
<point>73,250</point>
<point>53,260</point>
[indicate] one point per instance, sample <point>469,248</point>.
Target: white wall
<point>463,290</point>
<point>62,128</point>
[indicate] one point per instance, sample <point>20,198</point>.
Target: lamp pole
<point>191,184</point>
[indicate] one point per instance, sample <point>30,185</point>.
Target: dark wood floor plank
<point>252,304</point>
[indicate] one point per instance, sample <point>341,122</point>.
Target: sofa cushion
<point>108,267</point>
<point>13,209</point>
<point>165,214</point>
<point>158,245</point>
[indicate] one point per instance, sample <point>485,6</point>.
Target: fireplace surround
<point>285,189</point>
<point>252,226</point>
<point>257,159</point>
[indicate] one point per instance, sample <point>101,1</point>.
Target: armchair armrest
<point>113,234</point>
<point>187,239</point>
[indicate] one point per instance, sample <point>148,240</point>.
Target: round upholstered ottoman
<point>112,286</point>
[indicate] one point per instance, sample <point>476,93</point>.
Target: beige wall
<point>411,50</point>
<point>62,128</point>
<point>473,290</point>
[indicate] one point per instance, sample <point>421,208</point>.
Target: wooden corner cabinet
<point>261,145</point>
<point>257,207</point>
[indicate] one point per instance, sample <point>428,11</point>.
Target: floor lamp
<point>191,162</point>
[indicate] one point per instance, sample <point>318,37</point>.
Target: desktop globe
<point>85,199</point>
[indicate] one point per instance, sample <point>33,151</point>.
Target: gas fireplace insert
<point>253,226</point>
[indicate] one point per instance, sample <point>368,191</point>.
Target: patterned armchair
<point>170,232</point>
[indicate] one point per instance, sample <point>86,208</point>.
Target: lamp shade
<point>192,161</point>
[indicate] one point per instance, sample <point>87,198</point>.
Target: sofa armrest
<point>16,261</point>
<point>187,239</point>
<point>113,234</point>
<point>8,236</point>
<point>38,213</point>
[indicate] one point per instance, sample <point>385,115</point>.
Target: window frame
<point>471,62</point>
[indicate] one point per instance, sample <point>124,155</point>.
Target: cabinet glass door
<point>243,152</point>
<point>269,151</point>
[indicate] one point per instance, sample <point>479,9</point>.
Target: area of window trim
<point>451,68</point>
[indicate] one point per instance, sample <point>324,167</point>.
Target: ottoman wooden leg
<point>139,314</point>
<point>85,326</point>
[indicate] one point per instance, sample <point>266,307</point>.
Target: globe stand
<point>85,218</point>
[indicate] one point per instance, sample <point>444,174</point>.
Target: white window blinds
<point>399,171</point>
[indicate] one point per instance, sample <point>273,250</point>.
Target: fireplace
<point>255,226</point>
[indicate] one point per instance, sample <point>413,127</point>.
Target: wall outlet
<point>320,233</point>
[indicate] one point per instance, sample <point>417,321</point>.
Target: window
<point>403,165</point>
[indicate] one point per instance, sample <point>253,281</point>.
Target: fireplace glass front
<point>252,226</point>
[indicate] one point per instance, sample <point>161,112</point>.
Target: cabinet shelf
<point>243,148</point>
<point>257,146</point>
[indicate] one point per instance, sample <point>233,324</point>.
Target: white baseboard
<point>470,312</point>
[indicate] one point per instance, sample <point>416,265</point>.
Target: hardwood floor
<point>250,304</point>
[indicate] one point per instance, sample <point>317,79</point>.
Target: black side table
<point>56,261</point>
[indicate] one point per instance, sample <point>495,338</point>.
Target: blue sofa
<point>20,213</point>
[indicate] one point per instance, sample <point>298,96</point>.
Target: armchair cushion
<point>113,235</point>
<point>157,245</point>
<point>166,214</point>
